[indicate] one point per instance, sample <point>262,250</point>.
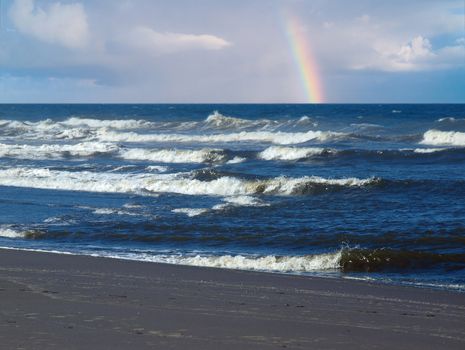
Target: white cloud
<point>376,43</point>
<point>419,48</point>
<point>64,24</point>
<point>417,55</point>
<point>156,43</point>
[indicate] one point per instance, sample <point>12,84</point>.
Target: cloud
<point>418,55</point>
<point>63,24</point>
<point>152,42</point>
<point>377,42</point>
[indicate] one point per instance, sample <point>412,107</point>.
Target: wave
<point>89,149</point>
<point>345,260</point>
<point>428,150</point>
<point>8,232</point>
<point>191,212</point>
<point>216,120</point>
<point>365,260</point>
<point>292,153</point>
<point>225,186</point>
<point>203,155</point>
<point>123,124</point>
<point>451,120</point>
<point>449,138</point>
<point>273,263</point>
<point>70,129</point>
<point>75,122</point>
<point>46,151</point>
<point>80,128</point>
<point>282,138</point>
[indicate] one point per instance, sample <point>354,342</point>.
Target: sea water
<point>354,191</point>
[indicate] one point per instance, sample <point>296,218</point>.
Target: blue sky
<point>230,51</point>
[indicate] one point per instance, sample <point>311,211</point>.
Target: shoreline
<point>420,285</point>
<point>58,301</point>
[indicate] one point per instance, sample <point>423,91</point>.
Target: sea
<point>373,192</point>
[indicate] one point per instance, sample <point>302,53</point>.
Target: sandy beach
<point>51,301</point>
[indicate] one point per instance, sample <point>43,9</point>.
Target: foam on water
<point>436,137</point>
<point>290,153</point>
<point>236,160</point>
<point>88,149</point>
<point>84,149</point>
<point>282,138</point>
<point>113,211</point>
<point>220,121</point>
<point>272,263</point>
<point>190,212</point>
<point>203,155</point>
<point>167,183</point>
<point>428,150</point>
<point>248,201</point>
<point>8,232</point>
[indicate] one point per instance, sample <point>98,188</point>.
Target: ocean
<point>374,192</point>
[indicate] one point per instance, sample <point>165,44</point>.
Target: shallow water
<point>358,191</point>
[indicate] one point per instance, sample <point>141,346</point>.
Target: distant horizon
<point>232,103</point>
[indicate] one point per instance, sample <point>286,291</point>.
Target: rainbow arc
<point>305,60</point>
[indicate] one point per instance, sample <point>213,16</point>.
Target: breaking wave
<point>88,149</point>
<point>203,155</point>
<point>345,260</point>
<point>282,138</point>
<point>365,260</point>
<point>169,183</point>
<point>448,138</point>
<point>291,153</point>
<point>85,149</point>
<point>8,232</point>
<point>272,263</point>
<point>216,120</point>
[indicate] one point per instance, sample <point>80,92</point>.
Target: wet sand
<point>51,301</point>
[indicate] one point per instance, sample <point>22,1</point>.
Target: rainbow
<point>304,60</point>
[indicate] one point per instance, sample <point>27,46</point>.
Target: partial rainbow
<point>305,60</point>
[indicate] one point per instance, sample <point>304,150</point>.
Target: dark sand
<point>50,301</point>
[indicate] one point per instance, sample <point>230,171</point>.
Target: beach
<point>56,301</point>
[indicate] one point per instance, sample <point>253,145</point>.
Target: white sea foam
<point>283,138</point>
<point>8,232</point>
<point>114,211</point>
<point>290,153</point>
<point>165,183</point>
<point>217,120</point>
<point>236,160</point>
<point>174,155</point>
<point>306,263</point>
<point>157,168</point>
<point>436,137</point>
<point>84,149</point>
<point>269,263</point>
<point>451,120</point>
<point>428,150</point>
<point>87,149</point>
<point>88,129</point>
<point>191,212</point>
<point>245,201</point>
<point>106,123</point>
<point>75,122</point>
<point>221,121</point>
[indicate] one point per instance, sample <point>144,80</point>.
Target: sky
<point>241,51</point>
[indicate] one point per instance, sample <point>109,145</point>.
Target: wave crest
<point>448,138</point>
<point>226,186</point>
<point>291,153</point>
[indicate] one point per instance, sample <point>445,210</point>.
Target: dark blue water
<point>357,191</point>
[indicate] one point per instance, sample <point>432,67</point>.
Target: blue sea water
<point>346,191</point>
